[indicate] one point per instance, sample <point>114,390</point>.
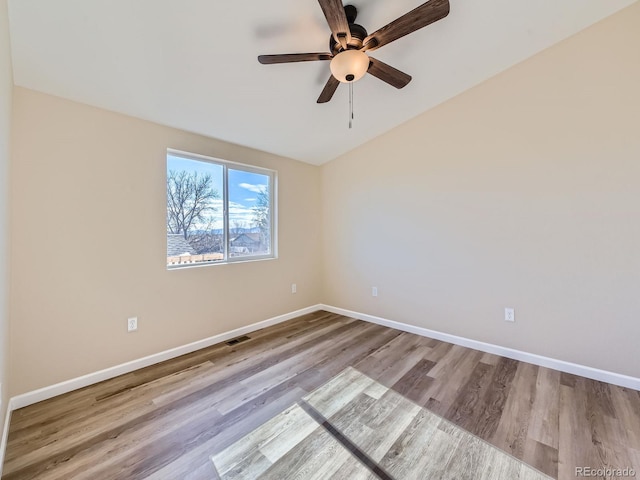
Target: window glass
<point>217,211</point>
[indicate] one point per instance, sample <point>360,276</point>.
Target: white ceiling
<point>192,64</point>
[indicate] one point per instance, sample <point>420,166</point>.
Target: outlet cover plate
<point>509,315</point>
<point>132,324</point>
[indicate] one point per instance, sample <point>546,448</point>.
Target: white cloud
<point>239,215</point>
<point>253,188</point>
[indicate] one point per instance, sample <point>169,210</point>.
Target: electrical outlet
<point>132,324</point>
<point>509,315</point>
<point>294,288</point>
<point>374,291</point>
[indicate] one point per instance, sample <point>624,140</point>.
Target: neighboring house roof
<point>177,245</point>
<point>246,240</point>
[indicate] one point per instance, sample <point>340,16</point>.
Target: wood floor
<point>167,421</point>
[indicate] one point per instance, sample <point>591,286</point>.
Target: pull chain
<point>350,104</point>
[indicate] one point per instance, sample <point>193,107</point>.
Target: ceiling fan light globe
<point>349,66</point>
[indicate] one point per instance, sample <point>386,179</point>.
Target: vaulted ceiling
<point>192,64</point>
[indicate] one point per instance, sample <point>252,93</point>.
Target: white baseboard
<point>45,393</point>
<point>561,365</point>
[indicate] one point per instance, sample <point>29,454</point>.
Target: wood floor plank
<point>466,458</point>
<point>541,456</point>
<point>571,434</point>
<point>490,359</point>
<point>297,422</point>
<point>513,426</point>
<point>543,426</point>
<point>470,400</point>
<point>597,410</point>
<point>488,418</point>
<point>446,356</point>
<point>394,359</point>
<point>416,382</point>
<point>338,392</point>
<point>628,412</point>
<point>387,419</point>
<point>409,447</point>
<point>311,459</point>
<point>455,372</point>
<point>438,352</point>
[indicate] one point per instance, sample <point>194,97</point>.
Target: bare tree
<point>205,239</point>
<point>261,217</point>
<point>189,199</point>
<point>238,227</point>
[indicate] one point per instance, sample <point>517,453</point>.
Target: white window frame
<point>273,214</point>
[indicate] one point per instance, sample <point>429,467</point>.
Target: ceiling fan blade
<point>416,19</point>
<point>293,57</point>
<point>329,89</point>
<point>336,18</point>
<point>388,74</point>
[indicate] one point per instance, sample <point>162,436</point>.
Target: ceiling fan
<point>349,42</point>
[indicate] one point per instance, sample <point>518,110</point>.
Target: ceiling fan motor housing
<point>358,32</point>
<point>351,12</point>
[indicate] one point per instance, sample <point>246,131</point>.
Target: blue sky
<point>243,189</point>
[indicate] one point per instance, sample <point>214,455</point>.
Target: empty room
<point>319,239</point>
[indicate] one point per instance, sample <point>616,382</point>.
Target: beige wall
<point>523,192</point>
<point>89,244</point>
<point>6,89</point>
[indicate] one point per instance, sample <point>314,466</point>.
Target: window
<point>218,211</point>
